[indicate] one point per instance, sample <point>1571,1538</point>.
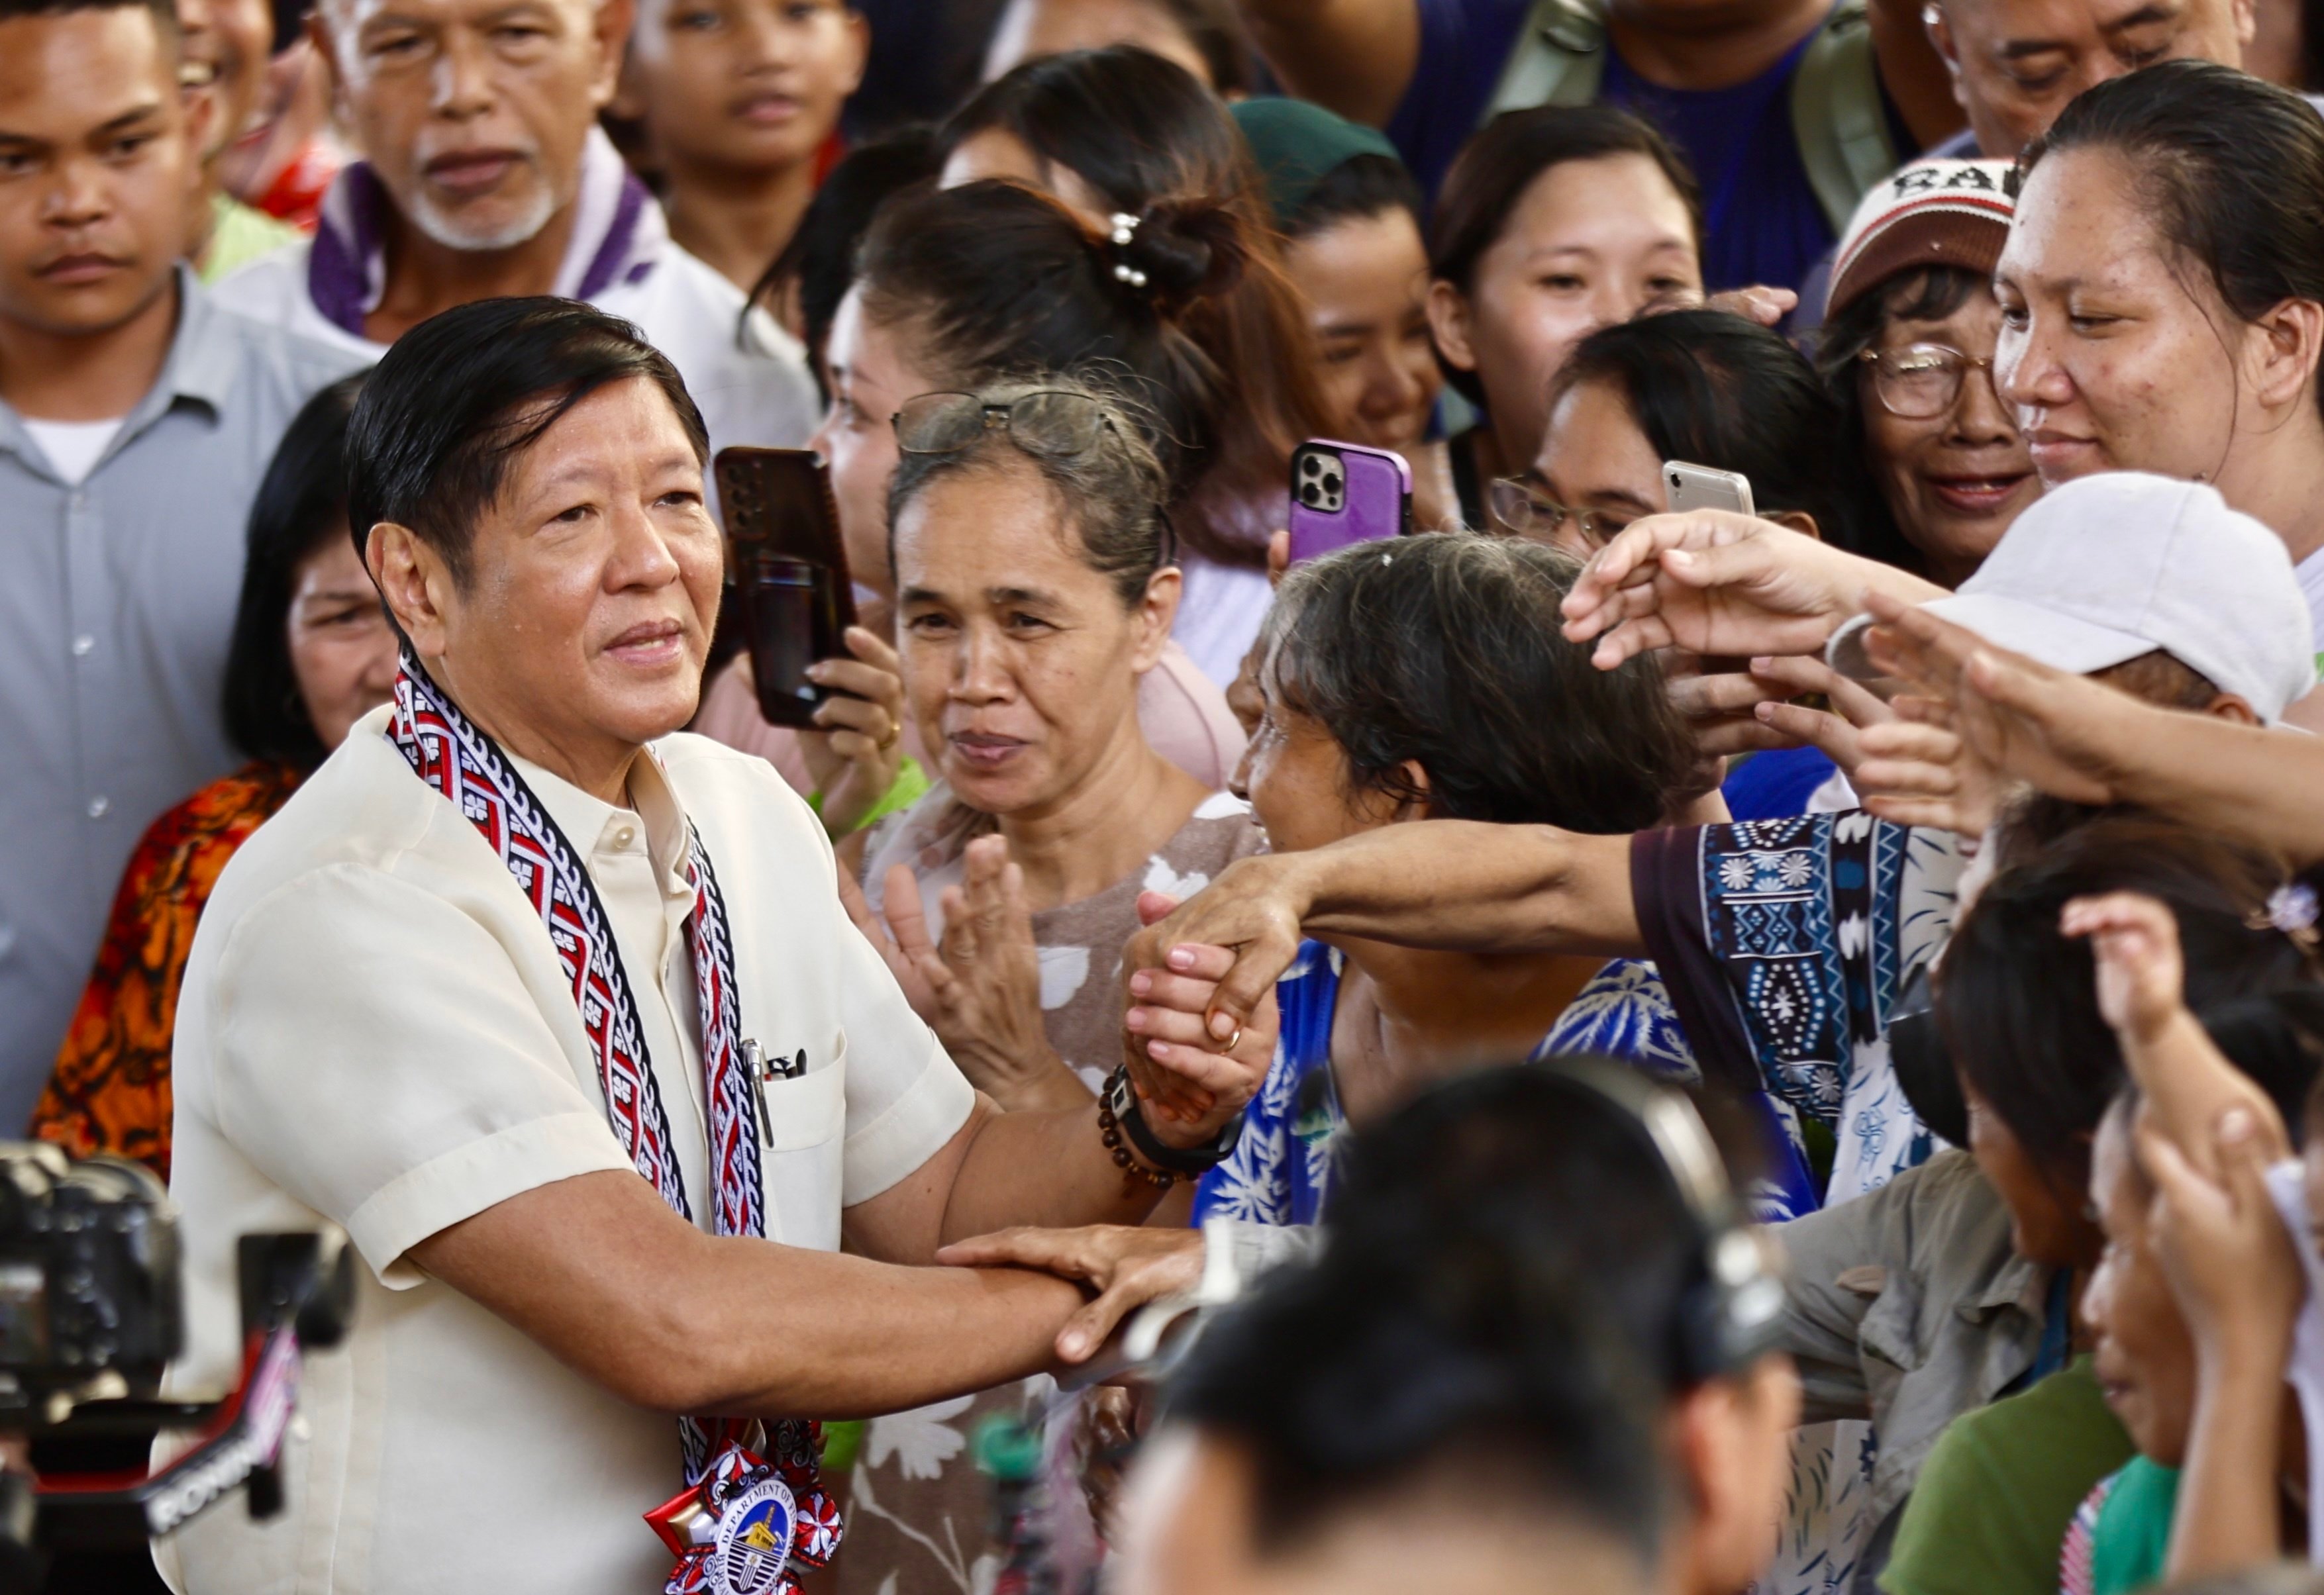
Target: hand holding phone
<point>790,572</point>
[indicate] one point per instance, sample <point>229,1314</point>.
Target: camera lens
<point>1332,482</point>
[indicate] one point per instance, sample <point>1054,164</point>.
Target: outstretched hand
<point>2061,732</point>
<point>1127,1265</point>
<point>1716,583</point>
<point>2142,973</point>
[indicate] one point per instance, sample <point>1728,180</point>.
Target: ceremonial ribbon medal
<point>743,1523</point>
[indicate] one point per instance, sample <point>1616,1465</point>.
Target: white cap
<point>2105,568</point>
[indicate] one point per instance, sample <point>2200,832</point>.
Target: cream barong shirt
<point>375,1030</point>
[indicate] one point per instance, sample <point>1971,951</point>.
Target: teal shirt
<point>2132,1539</point>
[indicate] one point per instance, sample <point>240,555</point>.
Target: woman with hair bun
<point>1155,169</point>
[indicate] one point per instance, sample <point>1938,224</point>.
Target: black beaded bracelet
<point>1109,1129</point>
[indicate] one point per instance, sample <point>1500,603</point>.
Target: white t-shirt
<point>74,447</point>
<point>375,1030</point>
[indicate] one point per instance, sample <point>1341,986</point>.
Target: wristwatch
<point>1185,1162</point>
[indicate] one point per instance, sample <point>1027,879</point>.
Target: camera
<point>88,1279</point>
<point>91,1312</point>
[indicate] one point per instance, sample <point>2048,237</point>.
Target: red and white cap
<point>1952,213</point>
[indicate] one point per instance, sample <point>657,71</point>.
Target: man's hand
<point>1837,732</point>
<point>2226,1250</point>
<point>1717,583</point>
<point>854,754</point>
<point>1127,1264</point>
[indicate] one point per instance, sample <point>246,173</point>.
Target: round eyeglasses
<point>1524,510</point>
<point>1921,382</point>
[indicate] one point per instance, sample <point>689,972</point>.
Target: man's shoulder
<point>274,342</point>
<point>271,293</point>
<point>725,788</point>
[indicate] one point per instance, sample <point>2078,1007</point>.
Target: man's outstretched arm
<point>602,1273</point>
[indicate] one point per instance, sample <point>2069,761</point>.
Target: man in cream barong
<point>516,945</point>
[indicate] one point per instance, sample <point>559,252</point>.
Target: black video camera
<point>91,1312</point>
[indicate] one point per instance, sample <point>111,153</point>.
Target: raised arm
<point>1454,884</point>
<point>2080,740</point>
<point>1355,57</point>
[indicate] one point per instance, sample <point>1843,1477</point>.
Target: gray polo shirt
<point>116,603</point>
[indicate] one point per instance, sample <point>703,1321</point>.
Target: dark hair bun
<point>1187,250</point>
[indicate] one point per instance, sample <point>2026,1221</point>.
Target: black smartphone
<point>789,572</point>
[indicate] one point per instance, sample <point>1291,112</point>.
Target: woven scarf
<point>468,768</point>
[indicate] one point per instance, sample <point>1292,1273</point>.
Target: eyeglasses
<point>1921,382</point>
<point>1524,511</point>
<point>1047,421</point>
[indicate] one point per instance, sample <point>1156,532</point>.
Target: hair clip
<point>2291,909</point>
<point>1125,226</point>
<point>1129,274</point>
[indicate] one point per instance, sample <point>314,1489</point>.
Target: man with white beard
<point>484,175</point>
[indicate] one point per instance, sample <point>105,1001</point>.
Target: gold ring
<point>1233,1041</point>
<point>895,731</point>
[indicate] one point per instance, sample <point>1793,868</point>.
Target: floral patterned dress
<point>110,1089</point>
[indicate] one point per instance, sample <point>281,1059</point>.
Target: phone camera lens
<point>1332,482</point>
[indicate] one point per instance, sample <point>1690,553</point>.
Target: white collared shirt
<point>375,1030</point>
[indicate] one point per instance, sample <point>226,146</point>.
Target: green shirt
<point>1995,1498</point>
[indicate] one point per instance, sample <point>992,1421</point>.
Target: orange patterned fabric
<point>110,1089</point>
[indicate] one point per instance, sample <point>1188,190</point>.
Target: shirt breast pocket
<point>800,1160</point>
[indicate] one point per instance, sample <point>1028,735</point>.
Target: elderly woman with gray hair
<point>1034,587</point>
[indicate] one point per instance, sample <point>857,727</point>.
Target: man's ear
<point>416,583</point>
<point>1157,611</point>
<point>1448,323</point>
<point>2281,350</point>
<point>1799,520</point>
<point>2230,708</point>
<point>611,22</point>
<point>2246,22</point>
<point>318,35</point>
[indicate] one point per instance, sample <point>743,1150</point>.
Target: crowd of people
<point>1590,1043</point>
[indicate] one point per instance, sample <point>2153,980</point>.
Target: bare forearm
<point>2260,786</point>
<point>1465,886</point>
<point>1049,1169</point>
<point>878,1339</point>
<point>2227,1517</point>
<point>602,1276</point>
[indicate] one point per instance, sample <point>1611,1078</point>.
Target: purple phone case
<point>1376,500</point>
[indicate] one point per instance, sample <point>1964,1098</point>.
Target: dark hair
<point>1360,187</point>
<point>820,257</point>
<point>2230,168</point>
<point>999,282</point>
<point>1446,650</point>
<point>164,13</point>
<point>2277,1040</point>
<point>1718,390</point>
<point>457,397</point>
<point>1476,1318</point>
<point>2016,1001</point>
<point>1157,145</point>
<point>1112,493</point>
<point>1921,293</point>
<point>1494,169</point>
<point>302,505</point>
